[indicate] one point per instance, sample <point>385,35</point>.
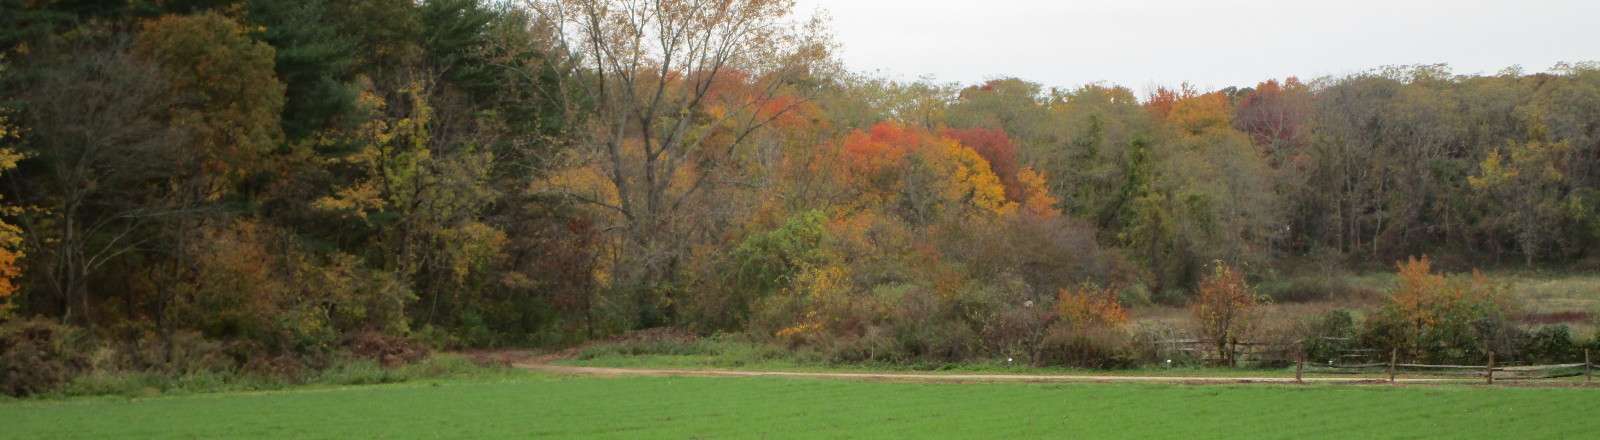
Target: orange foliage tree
<point>927,177</point>
<point>1226,309</point>
<point>1421,294</point>
<point>1189,110</point>
<point>1439,320</point>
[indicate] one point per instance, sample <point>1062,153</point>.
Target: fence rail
<point>1486,371</point>
<point>1265,351</point>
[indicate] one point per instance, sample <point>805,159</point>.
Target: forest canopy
<point>286,173</point>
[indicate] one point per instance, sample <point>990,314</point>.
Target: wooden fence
<point>1487,371</point>
<point>1205,352</point>
<point>1202,351</point>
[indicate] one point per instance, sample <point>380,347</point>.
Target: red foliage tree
<point>996,147</point>
<point>1277,117</point>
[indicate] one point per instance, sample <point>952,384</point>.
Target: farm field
<point>532,405</point>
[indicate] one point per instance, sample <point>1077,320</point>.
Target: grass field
<point>542,406</point>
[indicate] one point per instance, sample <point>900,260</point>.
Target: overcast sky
<point>1210,43</point>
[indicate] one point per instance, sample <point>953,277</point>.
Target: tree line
<point>485,174</point>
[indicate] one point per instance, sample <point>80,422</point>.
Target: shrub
<point>112,383</point>
<point>925,330</point>
<point>1086,347</point>
<point>1091,307</point>
<point>38,354</point>
<point>1437,320</point>
<point>1278,344</point>
<point>1135,295</point>
<point>181,352</point>
<point>1329,335</point>
<point>1090,331</point>
<point>1018,331</point>
<point>1148,344</point>
<point>275,367</point>
<point>388,350</point>
<point>1551,344</point>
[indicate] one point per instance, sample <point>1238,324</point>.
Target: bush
<point>182,352</point>
<point>925,329</point>
<point>899,323</point>
<point>1329,335</point>
<point>1147,345</point>
<point>655,341</point>
<point>1086,347</point>
<point>388,350</point>
<point>1135,295</point>
<point>38,354</point>
<point>1438,320</point>
<point>1551,344</point>
<point>1018,331</point>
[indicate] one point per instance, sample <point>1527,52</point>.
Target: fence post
<point>1298,365</point>
<point>1490,369</point>
<point>1587,366</point>
<point>1393,354</point>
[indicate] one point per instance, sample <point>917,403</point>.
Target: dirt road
<point>949,377</point>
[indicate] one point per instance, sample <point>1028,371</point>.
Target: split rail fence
<point>1270,352</point>
<point>1488,371</point>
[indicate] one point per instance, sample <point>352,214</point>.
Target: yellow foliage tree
<point>1036,199</point>
<point>1527,193</point>
<point>971,180</point>
<point>423,197</point>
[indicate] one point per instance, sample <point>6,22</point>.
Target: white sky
<point>1210,43</point>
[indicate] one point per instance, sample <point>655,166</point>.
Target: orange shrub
<point>1087,307</point>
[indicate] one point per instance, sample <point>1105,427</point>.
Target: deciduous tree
<point>97,179</point>
<point>674,88</point>
<point>1226,309</point>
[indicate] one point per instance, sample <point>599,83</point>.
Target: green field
<point>541,406</point>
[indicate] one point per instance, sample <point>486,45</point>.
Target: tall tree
<point>1010,104</point>
<point>674,87</point>
<point>100,153</point>
<point>228,97</point>
<point>312,59</point>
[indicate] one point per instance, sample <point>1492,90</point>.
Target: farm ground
<point>551,405</point>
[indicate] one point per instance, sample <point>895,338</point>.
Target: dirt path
<point>948,377</point>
